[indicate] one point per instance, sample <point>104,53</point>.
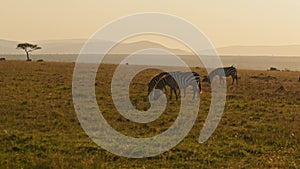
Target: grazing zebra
<point>228,71</point>
<point>155,80</point>
<point>184,80</point>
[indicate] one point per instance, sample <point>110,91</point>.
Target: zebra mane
<point>157,77</point>
<point>233,65</point>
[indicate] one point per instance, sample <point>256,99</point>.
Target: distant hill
<point>9,47</point>
<point>284,50</point>
<point>73,46</point>
<point>136,46</point>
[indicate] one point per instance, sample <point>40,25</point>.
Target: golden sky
<point>225,22</point>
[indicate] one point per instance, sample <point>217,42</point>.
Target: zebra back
<point>184,79</point>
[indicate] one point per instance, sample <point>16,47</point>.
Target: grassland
<point>39,127</point>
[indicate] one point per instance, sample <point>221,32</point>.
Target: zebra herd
<point>181,80</point>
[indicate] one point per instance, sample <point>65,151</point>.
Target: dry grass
<point>39,127</point>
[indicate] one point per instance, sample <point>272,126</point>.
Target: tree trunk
<point>27,55</point>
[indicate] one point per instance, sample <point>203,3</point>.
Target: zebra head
<point>150,88</point>
<point>154,81</point>
<point>206,79</point>
<point>198,80</point>
<point>158,91</point>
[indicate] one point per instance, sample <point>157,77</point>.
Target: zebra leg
<point>175,93</point>
<point>196,91</point>
<point>194,94</point>
<point>165,90</point>
<point>221,79</point>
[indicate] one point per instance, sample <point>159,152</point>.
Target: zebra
<point>155,80</point>
<point>198,81</point>
<point>228,71</point>
<point>178,80</point>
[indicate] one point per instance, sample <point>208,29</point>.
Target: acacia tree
<point>27,47</point>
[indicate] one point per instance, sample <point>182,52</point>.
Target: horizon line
<point>222,46</point>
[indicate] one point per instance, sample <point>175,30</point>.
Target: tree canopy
<point>27,47</point>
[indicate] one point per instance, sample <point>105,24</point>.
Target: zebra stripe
<point>224,72</point>
<point>155,80</point>
<point>179,80</point>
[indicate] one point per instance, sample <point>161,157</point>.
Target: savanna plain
<point>39,127</point>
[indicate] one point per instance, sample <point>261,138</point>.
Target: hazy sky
<point>225,22</point>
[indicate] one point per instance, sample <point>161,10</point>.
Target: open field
<point>39,127</point>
